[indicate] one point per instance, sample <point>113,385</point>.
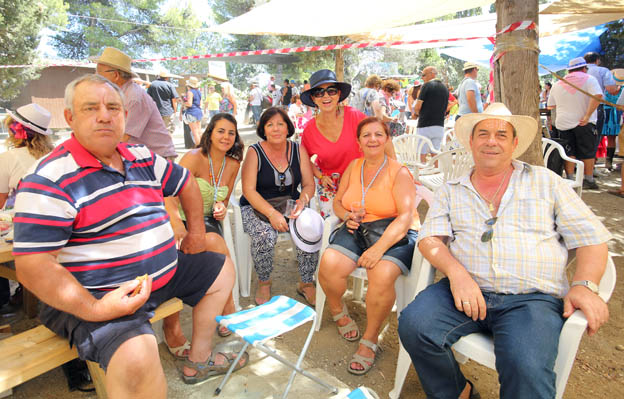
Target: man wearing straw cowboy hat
<point>144,125</point>
<point>508,226</point>
<point>577,117</point>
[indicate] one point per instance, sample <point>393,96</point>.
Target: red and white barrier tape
<point>523,25</point>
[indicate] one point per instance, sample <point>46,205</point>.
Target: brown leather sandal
<point>266,298</point>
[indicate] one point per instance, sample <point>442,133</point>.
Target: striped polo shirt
<point>109,227</point>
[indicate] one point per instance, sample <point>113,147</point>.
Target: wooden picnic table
<point>7,270</point>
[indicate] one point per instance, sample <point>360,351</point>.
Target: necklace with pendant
<point>490,202</point>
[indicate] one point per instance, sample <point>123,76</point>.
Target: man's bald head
<point>429,73</point>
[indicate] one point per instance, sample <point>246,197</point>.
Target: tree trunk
<point>340,62</point>
<point>515,76</point>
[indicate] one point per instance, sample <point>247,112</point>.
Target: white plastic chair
<point>480,347</point>
<point>548,147</point>
<point>269,320</point>
<point>411,126</point>
<point>405,286</point>
<point>452,164</point>
<point>408,148</point>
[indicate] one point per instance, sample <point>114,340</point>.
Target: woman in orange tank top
<point>374,188</point>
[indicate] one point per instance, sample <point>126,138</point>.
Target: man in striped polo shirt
<point>89,219</point>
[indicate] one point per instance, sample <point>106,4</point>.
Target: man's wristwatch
<point>586,283</point>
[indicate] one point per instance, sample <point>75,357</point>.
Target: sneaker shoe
<point>590,185</point>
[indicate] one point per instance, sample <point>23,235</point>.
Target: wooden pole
<point>516,78</point>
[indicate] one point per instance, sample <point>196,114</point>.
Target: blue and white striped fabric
<point>361,393</point>
<point>281,314</point>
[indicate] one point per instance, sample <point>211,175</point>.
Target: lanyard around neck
<point>212,176</point>
<point>364,191</point>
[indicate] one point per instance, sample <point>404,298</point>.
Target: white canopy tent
<point>482,26</point>
<point>323,18</point>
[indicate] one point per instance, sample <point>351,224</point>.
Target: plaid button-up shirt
<point>539,218</point>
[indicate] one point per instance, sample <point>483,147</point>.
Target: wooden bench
<point>29,354</point>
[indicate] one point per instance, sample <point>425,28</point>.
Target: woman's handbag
<point>367,234</point>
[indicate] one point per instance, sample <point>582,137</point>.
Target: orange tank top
<point>380,203</point>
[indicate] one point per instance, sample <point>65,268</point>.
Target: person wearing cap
<point>166,98</point>
<point>376,193</point>
<point>468,93</point>
<point>500,234</point>
<point>294,88</point>
<point>144,125</point>
<point>430,109</point>
<point>28,140</point>
<point>576,117</point>
<point>89,219</point>
<point>331,134</point>
<point>271,175</point>
<point>612,117</point>
<point>192,114</point>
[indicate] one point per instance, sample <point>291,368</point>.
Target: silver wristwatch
<point>586,283</point>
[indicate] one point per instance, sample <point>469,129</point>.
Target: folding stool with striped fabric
<point>362,393</point>
<point>257,325</point>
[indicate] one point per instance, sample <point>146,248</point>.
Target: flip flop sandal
<point>617,193</point>
<point>311,300</point>
<point>263,299</point>
<point>223,331</point>
<point>179,351</point>
<point>208,369</point>
<point>366,362</point>
<point>351,326</point>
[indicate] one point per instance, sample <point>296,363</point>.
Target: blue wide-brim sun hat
<point>321,77</point>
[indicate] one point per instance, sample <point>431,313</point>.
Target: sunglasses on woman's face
<point>331,91</point>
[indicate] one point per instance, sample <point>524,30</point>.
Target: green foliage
<point>612,42</point>
<point>87,37</point>
<point>21,22</point>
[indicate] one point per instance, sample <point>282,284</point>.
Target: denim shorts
<point>401,255</point>
<point>98,341</point>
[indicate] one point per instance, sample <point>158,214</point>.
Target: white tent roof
<point>585,7</point>
<point>324,18</point>
<point>483,26</point>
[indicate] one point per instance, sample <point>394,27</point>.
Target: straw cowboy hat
<point>321,77</point>
<point>164,74</point>
<point>469,65</point>
<point>307,230</point>
<point>116,59</point>
<point>618,76</point>
<point>34,117</point>
<point>193,82</point>
<point>526,127</point>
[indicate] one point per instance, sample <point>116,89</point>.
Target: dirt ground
<point>597,372</point>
